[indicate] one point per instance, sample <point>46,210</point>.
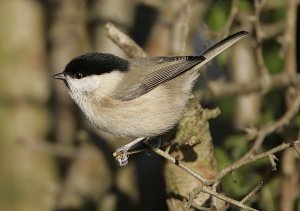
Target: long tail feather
<point>221,46</point>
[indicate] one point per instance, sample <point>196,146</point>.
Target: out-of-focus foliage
<point>217,14</point>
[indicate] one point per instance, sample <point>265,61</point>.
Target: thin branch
<point>204,189</point>
<point>200,207</point>
<point>258,6</point>
<point>252,193</point>
<point>220,88</point>
<point>124,42</point>
<point>178,163</point>
<point>283,121</point>
<point>252,159</point>
<point>185,30</point>
<point>260,137</point>
<point>296,149</point>
<point>272,159</point>
<point>289,39</point>
<point>232,15</point>
<point>208,190</point>
<point>272,30</point>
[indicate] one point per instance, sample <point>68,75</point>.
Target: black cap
<point>93,64</point>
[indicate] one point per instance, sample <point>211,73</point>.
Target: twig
<point>178,163</point>
<point>272,30</point>
<point>220,88</point>
<point>272,159</point>
<point>289,39</point>
<point>200,207</point>
<point>252,193</point>
<point>204,189</point>
<point>283,121</point>
<point>258,5</point>
<point>237,165</point>
<point>185,30</point>
<point>296,149</point>
<point>124,42</point>
<point>261,134</point>
<point>207,190</point>
<point>230,19</point>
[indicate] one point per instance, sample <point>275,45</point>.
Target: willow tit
<point>139,97</point>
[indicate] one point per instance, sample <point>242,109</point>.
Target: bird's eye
<point>78,75</point>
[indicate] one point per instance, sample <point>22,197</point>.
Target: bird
<point>136,98</point>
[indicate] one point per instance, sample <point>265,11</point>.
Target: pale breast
<point>149,115</point>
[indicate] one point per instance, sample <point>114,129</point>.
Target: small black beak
<point>60,76</point>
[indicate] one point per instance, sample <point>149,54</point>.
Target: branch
<point>124,42</point>
<point>289,39</point>
<point>177,162</point>
<point>232,15</point>
<point>133,50</point>
<point>260,136</point>
<point>258,6</point>
<point>252,159</point>
<point>252,193</point>
<point>220,88</point>
<point>283,121</point>
<point>204,189</point>
<point>208,190</point>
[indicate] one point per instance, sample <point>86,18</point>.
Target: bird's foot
<point>122,153</point>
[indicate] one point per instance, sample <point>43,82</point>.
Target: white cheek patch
<point>102,84</point>
<point>87,84</point>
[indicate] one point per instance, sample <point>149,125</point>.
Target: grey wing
<point>164,69</point>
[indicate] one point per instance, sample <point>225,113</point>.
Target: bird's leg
<point>122,154</point>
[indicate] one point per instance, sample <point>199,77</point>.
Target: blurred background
<point>51,158</point>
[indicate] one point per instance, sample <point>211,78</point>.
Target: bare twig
<point>208,190</point>
<point>220,88</point>
<point>238,165</point>
<point>260,136</point>
<point>258,5</point>
<point>272,30</point>
<point>200,207</point>
<point>124,42</point>
<point>182,166</point>
<point>283,121</point>
<point>272,159</point>
<point>252,193</point>
<point>185,30</point>
<point>230,19</point>
<point>288,50</point>
<point>204,189</point>
<point>289,39</point>
<point>296,148</point>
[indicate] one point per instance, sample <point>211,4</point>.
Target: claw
<point>122,154</point>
